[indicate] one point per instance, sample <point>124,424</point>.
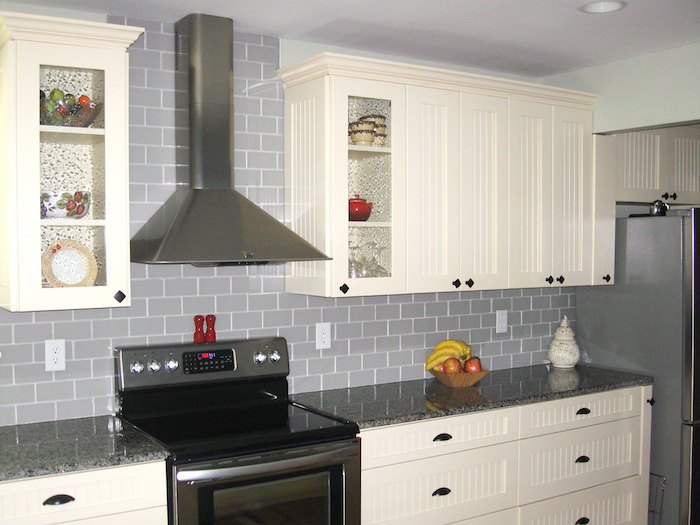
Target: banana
<point>444,353</point>
<point>466,350</point>
<point>447,348</point>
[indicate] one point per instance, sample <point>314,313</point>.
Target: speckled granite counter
<point>372,406</point>
<point>56,447</point>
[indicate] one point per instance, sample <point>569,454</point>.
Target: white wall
<point>652,90</point>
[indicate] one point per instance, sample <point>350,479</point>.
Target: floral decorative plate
<point>64,204</point>
<point>68,263</point>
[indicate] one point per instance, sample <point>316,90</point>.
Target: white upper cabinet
<point>480,183</point>
<point>64,169</point>
<point>662,164</point>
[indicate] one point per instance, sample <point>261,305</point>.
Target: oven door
<point>314,485</point>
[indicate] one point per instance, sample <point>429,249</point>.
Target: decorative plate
<point>68,263</point>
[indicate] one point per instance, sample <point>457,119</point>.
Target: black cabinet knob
<point>469,283</point>
<point>606,278</point>
<point>120,296</point>
<point>651,401</point>
<point>344,288</point>
<point>550,279</point>
<point>456,283</point>
<point>560,279</point>
<point>667,196</point>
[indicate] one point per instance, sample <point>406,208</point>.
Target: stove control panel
<point>172,364</point>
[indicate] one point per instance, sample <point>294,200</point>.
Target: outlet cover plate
<point>323,336</point>
<point>55,355</point>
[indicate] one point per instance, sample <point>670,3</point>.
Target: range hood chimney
<point>209,223</point>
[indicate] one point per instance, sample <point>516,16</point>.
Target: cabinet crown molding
<point>19,26</point>
<point>334,64</point>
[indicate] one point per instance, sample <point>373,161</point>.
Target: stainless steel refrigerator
<point>647,322</point>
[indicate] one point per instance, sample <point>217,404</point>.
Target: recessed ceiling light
<point>605,6</point>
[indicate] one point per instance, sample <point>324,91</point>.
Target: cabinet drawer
<point>99,492</point>
<point>479,481</point>
<point>154,516</point>
<point>564,414</point>
<point>444,435</point>
<point>578,459</point>
<point>617,503</point>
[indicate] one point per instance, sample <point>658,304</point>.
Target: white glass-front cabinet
<point>327,166</point>
<point>64,173</point>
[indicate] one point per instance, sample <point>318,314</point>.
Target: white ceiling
<point>534,38</point>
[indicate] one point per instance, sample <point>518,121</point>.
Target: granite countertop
<point>57,447</point>
<point>391,403</point>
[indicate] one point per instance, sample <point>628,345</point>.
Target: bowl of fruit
<point>65,109</point>
<point>452,363</point>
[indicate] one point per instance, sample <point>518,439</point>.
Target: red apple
<point>452,365</point>
<point>473,364</point>
<point>440,367</point>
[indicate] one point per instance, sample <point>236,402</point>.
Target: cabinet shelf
<point>368,150</point>
<point>369,224</point>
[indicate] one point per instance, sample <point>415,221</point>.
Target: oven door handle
<point>323,458</point>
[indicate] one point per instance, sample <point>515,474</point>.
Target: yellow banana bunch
<point>448,348</point>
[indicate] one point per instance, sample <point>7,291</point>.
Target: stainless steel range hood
<point>209,223</point>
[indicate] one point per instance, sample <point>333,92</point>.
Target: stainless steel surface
<point>314,458</point>
<point>341,459</point>
<point>646,322</point>
<point>209,223</point>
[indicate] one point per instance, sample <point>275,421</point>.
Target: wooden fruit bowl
<point>459,380</point>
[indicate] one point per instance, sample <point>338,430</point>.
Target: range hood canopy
<point>208,223</point>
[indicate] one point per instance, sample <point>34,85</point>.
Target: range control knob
<point>154,366</point>
<point>259,357</point>
<point>171,364</point>
<point>136,367</point>
<point>274,356</point>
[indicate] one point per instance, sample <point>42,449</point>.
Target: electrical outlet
<point>323,336</point>
<point>501,321</point>
<point>55,355</point>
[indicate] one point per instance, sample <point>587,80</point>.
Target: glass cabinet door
<point>72,132</point>
<point>370,253</point>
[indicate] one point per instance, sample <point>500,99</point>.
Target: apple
<point>473,364</point>
<point>452,365</point>
<point>440,367</point>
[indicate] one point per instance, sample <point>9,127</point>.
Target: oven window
<point>296,500</point>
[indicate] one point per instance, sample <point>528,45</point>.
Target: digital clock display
<point>202,362</point>
<point>206,355</point>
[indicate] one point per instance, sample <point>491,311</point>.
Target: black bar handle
<point>583,459</point>
<point>59,499</point>
<point>442,437</point>
<point>442,491</point>
<point>582,521</point>
<point>583,411</point>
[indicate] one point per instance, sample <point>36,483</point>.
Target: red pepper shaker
<point>210,336</point>
<point>198,328</point>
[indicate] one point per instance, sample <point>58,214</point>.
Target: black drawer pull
<point>442,491</point>
<point>59,499</point>
<point>582,521</point>
<point>442,437</point>
<point>583,411</point>
<point>583,459</point>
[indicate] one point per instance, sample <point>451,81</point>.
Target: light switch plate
<point>501,321</point>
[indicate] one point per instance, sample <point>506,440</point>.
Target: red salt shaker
<point>210,336</point>
<point>198,328</point>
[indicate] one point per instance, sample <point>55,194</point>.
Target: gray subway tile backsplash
<point>374,339</point>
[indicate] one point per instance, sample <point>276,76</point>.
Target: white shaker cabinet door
<point>530,195</point>
<point>484,192</point>
<point>572,197</point>
<point>432,189</point>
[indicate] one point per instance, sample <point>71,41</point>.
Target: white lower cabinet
<point>109,496</point>
<point>583,459</point>
<point>617,503</point>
